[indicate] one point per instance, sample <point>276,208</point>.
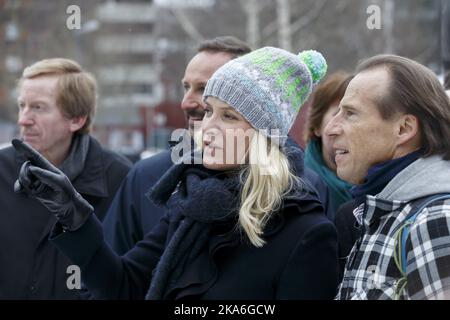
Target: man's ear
<point>77,123</point>
<point>408,128</point>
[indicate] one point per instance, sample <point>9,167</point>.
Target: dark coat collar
<point>92,181</point>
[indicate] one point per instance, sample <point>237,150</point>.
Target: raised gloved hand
<point>43,181</point>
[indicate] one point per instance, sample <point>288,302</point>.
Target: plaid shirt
<point>371,271</point>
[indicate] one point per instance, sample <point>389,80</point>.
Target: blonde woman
<point>240,225</point>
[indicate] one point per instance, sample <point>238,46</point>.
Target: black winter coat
<point>299,260</point>
<point>30,266</point>
<point>348,232</point>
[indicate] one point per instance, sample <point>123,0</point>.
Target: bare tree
<point>445,35</point>
<point>284,24</point>
<point>388,28</point>
<point>252,8</point>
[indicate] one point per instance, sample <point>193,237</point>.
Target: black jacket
<point>348,232</point>
<point>299,260</point>
<point>30,266</point>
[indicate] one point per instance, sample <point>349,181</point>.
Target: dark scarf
<point>209,198</point>
<point>73,165</point>
<point>203,197</point>
<point>380,175</point>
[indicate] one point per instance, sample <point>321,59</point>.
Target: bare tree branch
<point>251,8</point>
<point>284,24</point>
<point>271,27</point>
<point>309,17</point>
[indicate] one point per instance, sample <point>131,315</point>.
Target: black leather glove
<point>43,181</point>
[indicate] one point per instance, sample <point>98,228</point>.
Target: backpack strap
<point>411,218</point>
<point>403,233</point>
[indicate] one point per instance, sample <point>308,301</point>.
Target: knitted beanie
<point>268,86</point>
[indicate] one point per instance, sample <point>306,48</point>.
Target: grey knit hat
<point>268,86</point>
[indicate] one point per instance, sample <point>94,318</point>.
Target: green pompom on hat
<point>316,64</point>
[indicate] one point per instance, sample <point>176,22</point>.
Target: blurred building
<point>128,72</point>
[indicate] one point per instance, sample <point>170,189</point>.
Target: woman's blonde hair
<point>266,180</point>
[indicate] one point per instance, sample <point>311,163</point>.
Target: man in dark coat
<point>132,214</point>
<point>56,105</point>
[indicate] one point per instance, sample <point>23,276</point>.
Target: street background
<point>138,49</point>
